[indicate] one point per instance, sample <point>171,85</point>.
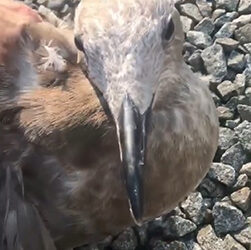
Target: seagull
<point>90,150</point>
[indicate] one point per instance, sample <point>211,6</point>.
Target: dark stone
<point>227,218</point>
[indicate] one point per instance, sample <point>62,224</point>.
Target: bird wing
<point>21,226</point>
<point>54,96</point>
<point>42,94</point>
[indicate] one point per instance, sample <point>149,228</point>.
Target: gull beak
<point>131,127</point>
<point>132,134</point>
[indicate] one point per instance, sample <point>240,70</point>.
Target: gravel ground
<point>218,214</point>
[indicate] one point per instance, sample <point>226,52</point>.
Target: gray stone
<point>223,173</point>
<point>65,10</point>
<point>177,211</point>
<point>174,245</point>
<point>227,138</point>
<point>125,241</point>
<point>179,2</point>
<point>206,187</point>
<point>191,10</point>
<point>232,103</point>
<point>225,18</point>
<point>247,46</point>
<point>224,113</point>
<point>159,245</point>
<point>162,245</point>
<point>227,218</point>
<point>242,49</point>
<point>186,56</point>
<point>234,156</point>
<point>244,99</point>
<point>242,198</point>
<point>199,39</point>
<point>232,123</point>
<point>44,2</point>
<point>247,51</point>
<point>215,62</point>
<point>243,131</point>
<point>248,95</point>
<point>227,30</point>
<point>177,226</point>
<point>236,61</point>
<point>216,99</point>
<point>227,90</point>
<point>241,181</point>
<point>248,55</point>
<point>242,20</point>
<point>231,244</point>
<point>28,2</point>
<point>156,225</point>
<point>195,61</point>
<point>187,23</point>
<point>243,34</point>
<point>245,112</point>
<point>194,208</point>
<point>240,82</point>
<point>226,200</point>
<point>188,47</point>
<point>228,44</point>
<point>209,189</point>
<point>247,73</point>
<point>208,240</point>
<point>205,25</point>
<point>246,169</point>
<point>244,236</point>
<point>192,245</point>
<point>231,74</point>
<point>244,6</point>
<point>204,7</point>
<point>217,13</point>
<point>56,4</point>
<point>229,5</point>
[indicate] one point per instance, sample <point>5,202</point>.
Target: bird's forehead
<point>95,17</point>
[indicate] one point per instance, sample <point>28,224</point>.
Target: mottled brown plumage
<point>66,145</point>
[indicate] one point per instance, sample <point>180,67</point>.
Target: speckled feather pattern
<point>135,30</point>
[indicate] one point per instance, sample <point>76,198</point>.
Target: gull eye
<point>168,30</point>
<point>78,43</point>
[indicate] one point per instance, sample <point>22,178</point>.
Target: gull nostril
<point>78,43</point>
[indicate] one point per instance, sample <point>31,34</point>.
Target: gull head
<point>125,46</point>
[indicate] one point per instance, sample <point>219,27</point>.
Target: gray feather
<point>21,227</point>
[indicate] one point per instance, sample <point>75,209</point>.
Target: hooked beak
<point>132,133</point>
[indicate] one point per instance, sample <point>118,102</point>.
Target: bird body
<point>65,138</point>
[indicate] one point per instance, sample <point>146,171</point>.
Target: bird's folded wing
<point>52,95</point>
<point>43,93</point>
<point>20,224</point>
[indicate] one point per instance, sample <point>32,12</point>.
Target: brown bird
<point>85,157</point>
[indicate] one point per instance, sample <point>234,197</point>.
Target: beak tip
<point>137,215</point>
<point>136,203</point>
